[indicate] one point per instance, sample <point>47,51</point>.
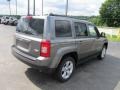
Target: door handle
<point>80,41</point>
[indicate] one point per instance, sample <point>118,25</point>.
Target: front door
<point>94,34</point>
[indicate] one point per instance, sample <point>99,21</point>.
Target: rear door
<point>83,42</point>
<point>29,33</point>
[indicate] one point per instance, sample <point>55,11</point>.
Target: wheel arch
<point>73,55</point>
<point>106,44</point>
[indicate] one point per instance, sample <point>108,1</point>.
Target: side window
<point>63,28</point>
<point>92,31</point>
<point>80,29</point>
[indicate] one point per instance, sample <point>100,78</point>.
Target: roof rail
<point>51,14</point>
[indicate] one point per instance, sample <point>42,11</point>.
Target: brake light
<point>45,48</point>
<point>29,17</point>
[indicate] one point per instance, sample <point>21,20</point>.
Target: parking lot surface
<point>93,75</point>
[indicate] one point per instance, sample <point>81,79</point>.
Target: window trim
<point>70,28</point>
<point>97,35</point>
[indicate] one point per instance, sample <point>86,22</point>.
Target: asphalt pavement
<point>92,75</point>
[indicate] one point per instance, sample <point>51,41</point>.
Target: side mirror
<point>103,34</point>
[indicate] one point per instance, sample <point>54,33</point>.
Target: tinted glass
<point>80,29</point>
<point>11,18</point>
<point>92,31</point>
<point>63,28</point>
<point>31,26</point>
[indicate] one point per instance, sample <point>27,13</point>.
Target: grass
<point>113,38</point>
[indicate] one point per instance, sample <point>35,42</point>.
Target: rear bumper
<point>40,63</point>
<point>11,22</point>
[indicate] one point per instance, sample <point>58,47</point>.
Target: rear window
<point>63,28</point>
<point>31,26</point>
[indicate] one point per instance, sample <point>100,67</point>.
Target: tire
<point>7,23</point>
<point>12,24</point>
<point>102,54</point>
<point>65,69</point>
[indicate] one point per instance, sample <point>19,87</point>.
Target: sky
<point>76,7</point>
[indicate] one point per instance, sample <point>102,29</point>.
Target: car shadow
<point>92,75</point>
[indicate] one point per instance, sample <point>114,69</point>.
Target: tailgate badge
<point>36,51</point>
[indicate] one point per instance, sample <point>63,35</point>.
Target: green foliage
<point>110,12</point>
<point>96,20</point>
<point>113,38</point>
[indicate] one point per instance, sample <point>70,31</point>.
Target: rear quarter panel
<point>59,48</point>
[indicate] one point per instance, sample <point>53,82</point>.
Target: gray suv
<point>57,44</point>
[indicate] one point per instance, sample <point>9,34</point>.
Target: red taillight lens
<point>45,48</point>
<point>29,17</point>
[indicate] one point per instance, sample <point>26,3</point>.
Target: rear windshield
<point>31,26</point>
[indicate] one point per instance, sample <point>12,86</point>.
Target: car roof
<point>39,17</point>
<point>61,16</point>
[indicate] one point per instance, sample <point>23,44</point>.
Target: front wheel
<point>102,53</point>
<point>65,69</point>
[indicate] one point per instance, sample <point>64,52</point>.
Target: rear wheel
<point>7,23</point>
<point>102,53</point>
<point>65,69</point>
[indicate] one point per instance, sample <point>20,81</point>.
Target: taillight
<point>45,48</point>
<point>29,17</point>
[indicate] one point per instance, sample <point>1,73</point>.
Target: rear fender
<point>60,53</point>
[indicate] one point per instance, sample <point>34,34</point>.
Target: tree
<point>9,6</point>
<point>110,12</point>
<point>96,20</point>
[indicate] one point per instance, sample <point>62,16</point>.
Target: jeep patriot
<point>57,44</point>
